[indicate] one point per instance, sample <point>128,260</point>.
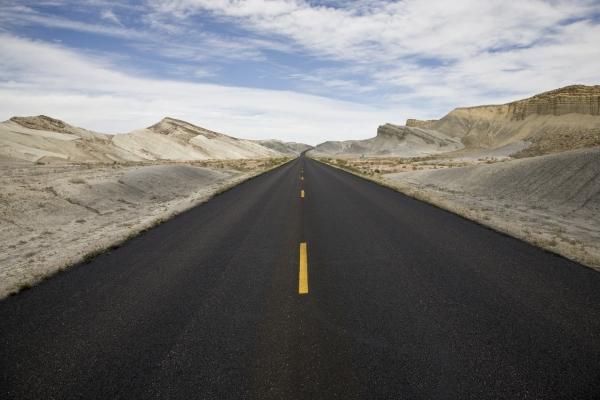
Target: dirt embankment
<point>552,201</point>
<point>53,216</point>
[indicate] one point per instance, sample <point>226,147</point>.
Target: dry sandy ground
<point>387,165</point>
<point>53,216</point>
<point>552,201</point>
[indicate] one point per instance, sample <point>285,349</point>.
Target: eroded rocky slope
<point>418,123</point>
<point>551,200</point>
<point>392,140</point>
<point>577,99</point>
<point>554,121</point>
<point>46,140</point>
<point>289,148</point>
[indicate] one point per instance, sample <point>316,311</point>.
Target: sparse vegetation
<point>89,256</point>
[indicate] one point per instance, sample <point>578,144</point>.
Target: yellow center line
<point>303,274</point>
<point>302,193</point>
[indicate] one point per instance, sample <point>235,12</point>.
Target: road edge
<point>108,246</point>
<point>455,209</point>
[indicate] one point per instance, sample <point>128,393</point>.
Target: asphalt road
<point>404,301</point>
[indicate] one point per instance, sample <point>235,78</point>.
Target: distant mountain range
<point>554,121</point>
<point>393,141</point>
<point>45,139</point>
<point>290,148</point>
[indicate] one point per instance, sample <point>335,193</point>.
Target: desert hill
<point>392,140</point>
<point>418,123</point>
<point>562,119</point>
<point>290,148</point>
<point>559,120</point>
<point>179,140</point>
<point>45,139</point>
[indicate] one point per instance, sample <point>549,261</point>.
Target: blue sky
<point>296,70</point>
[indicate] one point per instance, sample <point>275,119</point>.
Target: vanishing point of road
<point>309,283</point>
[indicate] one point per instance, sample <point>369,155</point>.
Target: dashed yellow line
<point>302,193</point>
<point>303,273</point>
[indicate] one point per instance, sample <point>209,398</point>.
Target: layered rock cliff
<point>392,140</point>
<point>289,148</point>
<point>419,123</point>
<point>558,120</point>
<point>42,122</point>
<point>427,136</point>
<point>578,99</point>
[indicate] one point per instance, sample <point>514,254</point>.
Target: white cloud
<point>323,82</point>
<point>42,78</point>
<point>160,34</point>
<point>569,55</point>
<point>110,16</point>
<point>448,53</point>
<point>362,31</point>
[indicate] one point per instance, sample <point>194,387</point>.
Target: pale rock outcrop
<point>179,140</point>
<point>43,139</point>
<point>289,148</point>
<point>418,123</point>
<point>392,140</point>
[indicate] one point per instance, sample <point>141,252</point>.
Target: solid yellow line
<point>303,275</point>
<point>302,193</point>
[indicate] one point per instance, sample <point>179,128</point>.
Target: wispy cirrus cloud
<point>153,33</point>
<point>382,30</point>
<point>469,48</point>
<point>19,15</point>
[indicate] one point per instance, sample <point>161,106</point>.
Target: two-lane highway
<point>308,282</point>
